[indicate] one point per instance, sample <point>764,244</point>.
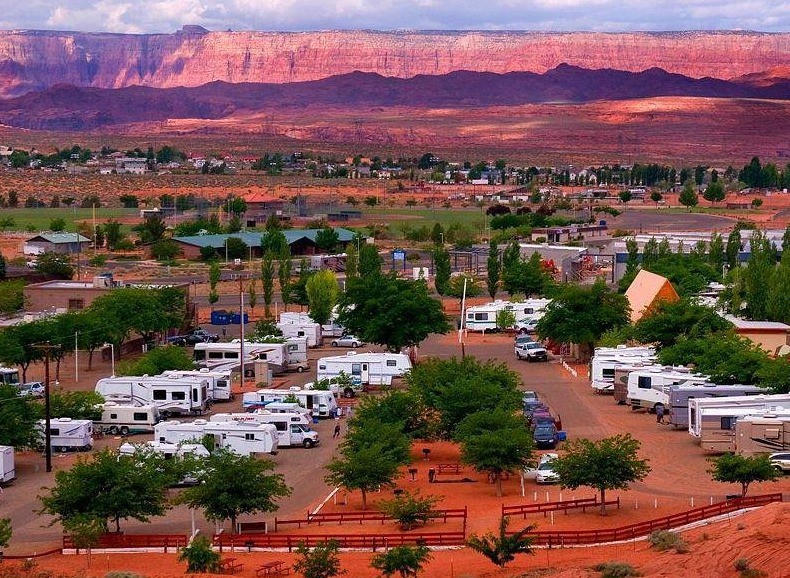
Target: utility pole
<point>47,348</point>
<point>241,325</point>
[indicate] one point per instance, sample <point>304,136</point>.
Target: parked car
<point>520,339</point>
<point>347,341</point>
<point>542,419</point>
<point>781,461</point>
<point>32,389</point>
<point>32,264</point>
<point>196,336</point>
<point>531,351</point>
<point>541,470</point>
<point>525,327</point>
<point>528,395</point>
<point>545,436</point>
<point>534,406</point>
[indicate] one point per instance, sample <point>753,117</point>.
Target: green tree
<point>57,225</point>
<point>151,230</point>
<point>441,261</point>
<point>56,264</point>
<point>320,562</point>
<point>364,469</point>
<point>582,314</point>
<point>786,240</point>
<point>669,321</point>
<point>267,282</point>
<point>505,319</point>
<point>252,294</point>
<point>727,359</point>
<point>299,289</point>
<point>230,485</point>
<point>716,252</point>
<point>369,260</point>
<point>688,196</point>
<point>18,417</point>
<point>327,240</point>
<point>392,312</point>
<point>284,267</point>
<point>527,277</point>
<point>5,532</point>
<point>733,249</point>
<point>76,404</point>
<point>322,292</point>
<point>410,510</point>
<point>236,248</point>
<point>113,234</point>
<point>624,196</point>
<point>3,272</point>
<point>158,360</point>
<point>404,560</point>
<point>608,464</point>
<point>274,240</point>
<point>656,197</point>
<point>502,548</point>
<point>165,250</point>
<point>457,286</point>
<point>352,261</point>
<point>778,297</point>
<point>12,297</point>
<point>199,556</point>
<point>714,192</point>
<point>129,201</point>
<point>774,375</point>
<point>743,470</point>
<point>143,310</point>
<point>492,276</point>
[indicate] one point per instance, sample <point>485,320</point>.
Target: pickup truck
<point>531,351</point>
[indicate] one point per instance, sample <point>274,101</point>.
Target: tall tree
<point>151,230</point>
<point>758,274</point>
<point>786,240</point>
<point>528,277</point>
<point>284,275</point>
<point>632,263</point>
<point>492,277</point>
<point>327,239</point>
<point>441,262</point>
<point>688,196</point>
<point>716,252</point>
<point>778,297</point>
<point>267,282</point>
<point>714,192</point>
<point>369,260</point>
<point>743,470</point>
<point>733,249</point>
<point>322,292</point>
<point>352,261</point>
<point>17,418</point>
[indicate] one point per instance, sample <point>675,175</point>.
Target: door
<point>365,374</point>
<point>297,436</point>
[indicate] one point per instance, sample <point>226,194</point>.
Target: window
<point>200,355</point>
<point>140,416</point>
<point>195,395</point>
<point>529,311</point>
<point>300,333</point>
<point>607,373</point>
<point>113,416</point>
<point>178,395</point>
<point>356,369</point>
<point>296,429</point>
<point>222,384</point>
<point>293,347</point>
<point>481,316</point>
<point>280,426</point>
<point>391,363</point>
<point>215,355</point>
<point>231,355</point>
<point>644,382</point>
<point>263,356</point>
<point>322,367</point>
<point>75,304</point>
<point>159,395</point>
<point>53,431</point>
<point>249,437</point>
<point>728,422</point>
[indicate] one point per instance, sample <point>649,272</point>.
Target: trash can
<point>431,475</point>
<point>315,419</point>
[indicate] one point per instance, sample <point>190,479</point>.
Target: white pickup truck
<point>531,351</point>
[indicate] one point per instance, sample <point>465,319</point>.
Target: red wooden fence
<point>111,541</point>
<point>360,541</point>
<point>340,517</point>
<point>565,505</point>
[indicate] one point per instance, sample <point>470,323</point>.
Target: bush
<point>97,260</point>
<point>199,556</point>
<point>122,574</point>
<point>663,540</point>
<point>616,570</point>
<point>744,567</point>
<point>320,562</point>
<point>11,296</point>
<point>165,250</point>
<point>410,510</point>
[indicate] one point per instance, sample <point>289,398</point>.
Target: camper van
<point>240,438</point>
<point>649,388</point>
<point>764,434</point>
<point>7,471</point>
<point>680,394</point>
<point>483,317</point>
<point>219,382</point>
<point>67,434</point>
<point>8,376</point>
<point>310,330</point>
<point>127,419</point>
<point>225,356</point>
<point>172,395</point>
<point>364,368</point>
<point>606,359</point>
<point>699,407</point>
<point>330,329</point>
<point>280,407</point>
<point>321,403</point>
<point>293,429</point>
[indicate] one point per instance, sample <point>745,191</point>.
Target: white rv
<point>219,382</point>
<point>280,407</point>
<point>293,429</point>
<point>649,388</point>
<point>67,434</point>
<point>296,354</point>
<point>169,452</point>
<point>7,470</point>
<point>173,395</point>
<point>764,434</point>
<point>8,376</point>
<point>241,438</point>
<point>331,329</point>
<point>680,394</point>
<point>307,329</point>
<point>364,368</point>
<point>321,403</point>
<point>225,356</point>
<point>127,419</point>
<point>483,317</point>
<point>604,361</point>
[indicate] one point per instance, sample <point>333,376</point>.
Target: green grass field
<point>34,220</point>
<point>472,216</point>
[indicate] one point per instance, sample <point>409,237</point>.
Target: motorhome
<point>240,438</point>
<point>293,429</point>
<point>219,382</point>
<point>127,419</point>
<point>308,329</point>
<point>330,329</point>
<point>603,364</point>
<point>225,356</point>
<point>8,376</point>
<point>169,451</point>
<point>483,317</point>
<point>173,395</point>
<point>280,407</point>
<point>321,403</point>
<point>67,434</point>
<point>649,388</point>
<point>716,425</point>
<point>364,368</point>
<point>680,394</point>
<point>764,434</point>
<point>7,470</point>
<point>296,354</point>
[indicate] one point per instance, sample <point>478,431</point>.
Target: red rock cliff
<point>32,60</point>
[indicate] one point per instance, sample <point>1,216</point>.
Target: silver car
<point>347,341</point>
<point>32,389</point>
<point>781,462</point>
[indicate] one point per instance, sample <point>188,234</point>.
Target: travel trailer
<point>764,434</point>
<point>331,329</point>
<point>168,451</point>
<point>7,471</point>
<point>241,438</point>
<point>225,356</point>
<point>364,368</point>
<point>321,403</point>
<point>293,429</point>
<point>8,376</point>
<point>483,317</point>
<point>280,407</point>
<point>67,434</point>
<point>127,419</point>
<point>649,388</point>
<point>757,403</point>
<point>219,382</point>
<point>308,329</point>
<point>604,362</point>
<point>172,395</point>
<point>296,354</point>
<point>680,394</point>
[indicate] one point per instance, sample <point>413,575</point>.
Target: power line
<point>47,348</point>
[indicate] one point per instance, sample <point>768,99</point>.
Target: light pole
<point>112,356</point>
<point>226,250</point>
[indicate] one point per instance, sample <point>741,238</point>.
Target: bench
<point>272,568</point>
<point>449,469</point>
<point>230,566</point>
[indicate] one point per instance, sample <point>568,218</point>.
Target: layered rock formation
<point>35,60</point>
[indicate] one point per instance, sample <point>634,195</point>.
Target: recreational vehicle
<point>649,388</point>
<point>364,368</point>
<point>127,419</point>
<point>308,329</point>
<point>67,434</point>
<point>172,395</point>
<point>8,376</point>
<point>280,407</point>
<point>483,317</point>
<point>296,354</point>
<point>680,394</point>
<point>169,451</point>
<point>603,365</point>
<point>225,356</point>
<point>219,382</point>
<point>321,403</point>
<point>699,407</point>
<point>330,329</point>
<point>293,429</point>
<point>7,471</point>
<point>240,438</point>
<point>764,434</point>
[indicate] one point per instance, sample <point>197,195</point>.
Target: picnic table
<point>230,566</point>
<point>272,568</point>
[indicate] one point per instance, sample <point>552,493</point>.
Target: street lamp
<point>226,250</point>
<point>112,356</point>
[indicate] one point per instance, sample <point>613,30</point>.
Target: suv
<point>32,389</point>
<point>526,326</point>
<point>545,436</point>
<point>531,351</point>
<point>781,462</point>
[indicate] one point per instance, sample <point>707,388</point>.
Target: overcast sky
<point>139,16</point>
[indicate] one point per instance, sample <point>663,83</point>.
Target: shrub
<point>199,556</point>
<point>744,567</point>
<point>404,560</point>
<point>97,260</point>
<point>320,562</point>
<point>663,540</point>
<point>122,574</point>
<point>410,510</point>
<point>616,570</point>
